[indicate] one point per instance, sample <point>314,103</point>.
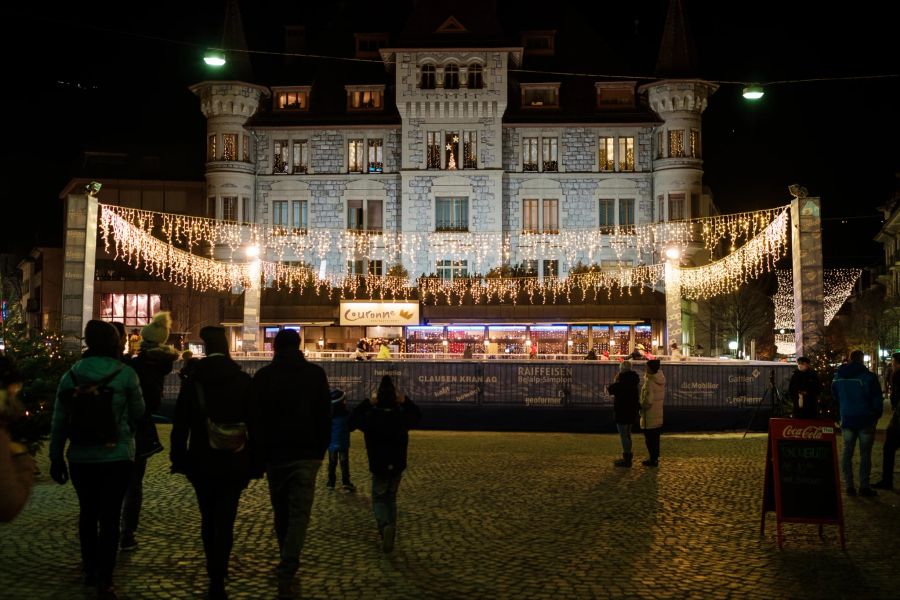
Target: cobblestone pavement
<point>494,515</point>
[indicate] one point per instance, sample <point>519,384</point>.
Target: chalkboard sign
<point>802,480</point>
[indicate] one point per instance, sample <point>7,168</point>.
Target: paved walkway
<point>495,515</point>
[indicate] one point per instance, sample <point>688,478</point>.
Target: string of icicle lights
<point>838,285</point>
<point>166,245</point>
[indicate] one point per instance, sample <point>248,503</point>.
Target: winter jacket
<point>859,395</point>
<point>294,408</point>
<point>151,365</point>
<point>340,428</point>
<point>227,398</point>
<point>626,390</point>
<point>386,430</point>
<point>127,405</point>
<point>808,383</point>
<point>653,394</point>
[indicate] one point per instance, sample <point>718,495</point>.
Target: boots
<point>625,461</point>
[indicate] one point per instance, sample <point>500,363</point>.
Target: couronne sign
<point>379,313</point>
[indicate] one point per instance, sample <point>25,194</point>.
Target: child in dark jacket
<point>339,449</point>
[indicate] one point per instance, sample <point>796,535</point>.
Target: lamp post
<point>673,294</point>
<point>250,328</point>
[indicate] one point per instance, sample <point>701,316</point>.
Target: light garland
<point>837,284</point>
<point>134,233</point>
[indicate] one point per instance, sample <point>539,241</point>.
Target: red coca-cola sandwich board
<point>802,480</point>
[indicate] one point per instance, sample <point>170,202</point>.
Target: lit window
<point>540,95</point>
<point>530,154</point>
<point>292,99</point>
<point>550,215</point>
<point>452,269</point>
<point>550,154</point>
<point>376,156</point>
<point>607,154</point>
<point>428,77</point>
<point>695,143</point>
<point>551,268</point>
<point>538,43</point>
<point>365,215</point>
<point>300,156</point>
<point>365,98</point>
<point>451,145</point>
<point>281,162</point>
<point>475,77</point>
<point>530,223</point>
<point>132,310</point>
<point>451,214</point>
<point>229,146</point>
<point>470,149</point>
<point>245,148</point>
<point>230,208</point>
<point>211,148</point>
<point>433,139</point>
<point>676,143</point>
<point>626,154</point>
<point>451,77</point>
<point>355,156</point>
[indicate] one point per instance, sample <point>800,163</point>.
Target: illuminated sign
<point>379,313</point>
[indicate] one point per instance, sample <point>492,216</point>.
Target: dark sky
<point>73,82</point>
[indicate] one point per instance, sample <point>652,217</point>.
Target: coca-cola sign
<point>810,432</point>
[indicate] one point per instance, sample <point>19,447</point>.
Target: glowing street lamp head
<point>673,252</point>
<point>732,345</point>
<point>214,58</point>
<point>252,251</point>
<point>753,92</point>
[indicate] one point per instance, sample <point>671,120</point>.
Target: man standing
<point>804,391</point>
<point>295,411</point>
<point>859,395</point>
<point>892,433</point>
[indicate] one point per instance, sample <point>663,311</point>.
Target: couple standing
<point>634,403</point>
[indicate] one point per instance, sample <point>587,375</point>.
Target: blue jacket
<point>859,394</point>
<point>340,428</point>
<point>128,405</point>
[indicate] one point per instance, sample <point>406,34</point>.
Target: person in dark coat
<point>339,448</point>
<point>892,433</point>
<point>626,406</point>
<point>386,419</point>
<point>295,413</point>
<point>153,362</point>
<point>804,391</point>
<point>217,393</point>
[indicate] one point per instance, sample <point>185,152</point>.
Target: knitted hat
<point>101,338</point>
<point>214,339</point>
<point>157,330</point>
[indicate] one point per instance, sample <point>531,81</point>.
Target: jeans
<point>625,434</point>
<point>134,496</point>
<point>651,438</point>
<point>218,502</point>
<point>384,499</point>
<point>891,444</point>
<point>292,486</point>
<point>333,457</point>
<point>866,441</point>
<point>100,488</point>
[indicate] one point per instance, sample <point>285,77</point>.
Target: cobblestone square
<point>494,515</point>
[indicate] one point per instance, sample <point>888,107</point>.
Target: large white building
<point>460,142</point>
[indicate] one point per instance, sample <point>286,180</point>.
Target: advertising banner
<point>379,313</point>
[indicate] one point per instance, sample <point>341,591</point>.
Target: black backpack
<point>90,419</point>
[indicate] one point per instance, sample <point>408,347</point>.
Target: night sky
<point>75,82</point>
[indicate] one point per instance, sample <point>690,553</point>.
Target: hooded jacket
<point>386,428</point>
<point>227,398</point>
<point>653,394</point>
<point>859,394</point>
<point>127,405</point>
<point>294,408</point>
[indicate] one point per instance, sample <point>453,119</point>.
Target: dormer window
<point>294,98</point>
<point>427,79</point>
<point>615,96</point>
<point>539,43</point>
<point>451,77</point>
<point>540,95</point>
<point>365,97</point>
<point>368,44</point>
<point>475,77</point>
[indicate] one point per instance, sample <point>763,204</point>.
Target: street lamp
<point>733,346</point>
<point>673,252</point>
<point>753,91</point>
<point>252,251</point>
<point>214,58</point>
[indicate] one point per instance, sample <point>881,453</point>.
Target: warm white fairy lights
<point>174,247</point>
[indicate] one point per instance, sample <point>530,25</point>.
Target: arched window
<point>476,80</point>
<point>427,81</point>
<point>451,77</point>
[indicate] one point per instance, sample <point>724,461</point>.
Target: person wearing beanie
<point>217,397</point>
<point>626,407</point>
<point>100,472</point>
<point>153,362</point>
<point>386,419</point>
<point>339,448</point>
<point>294,407</point>
<point>16,464</point>
<point>653,394</point>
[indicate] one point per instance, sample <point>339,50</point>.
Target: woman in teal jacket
<point>100,470</point>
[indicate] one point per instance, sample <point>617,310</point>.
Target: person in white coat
<point>653,394</point>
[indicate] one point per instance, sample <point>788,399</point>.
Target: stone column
<point>673,302</point>
<point>806,247</point>
<point>252,299</point>
<point>79,263</point>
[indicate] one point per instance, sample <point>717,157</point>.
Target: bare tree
<point>875,321</point>
<point>743,315</point>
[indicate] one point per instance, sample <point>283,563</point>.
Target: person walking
<point>859,396</point>
<point>385,419</point>
<point>339,448</point>
<point>153,362</point>
<point>295,416</point>
<point>892,433</point>
<point>98,401</point>
<point>653,394</point>
<point>213,432</point>
<point>626,406</point>
<point>804,391</point>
